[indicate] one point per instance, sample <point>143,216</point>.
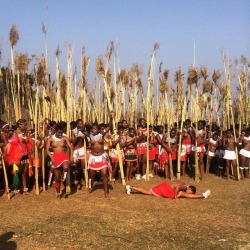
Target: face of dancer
<point>94,130</point>
<point>6,129</point>
<point>215,137</point>
<point>59,133</point>
<point>160,130</point>
<point>187,124</point>
<point>172,133</point>
<point>125,124</point>
<point>23,126</point>
<point>189,191</point>
<point>243,133</point>
<point>132,133</point>
<point>200,126</point>
<point>142,123</point>
<point>79,125</point>
<point>229,134</point>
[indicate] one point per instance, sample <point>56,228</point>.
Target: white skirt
<point>245,153</point>
<point>229,155</point>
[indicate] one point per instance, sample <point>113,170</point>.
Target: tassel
<point>16,181</point>
<point>30,171</point>
<point>64,176</point>
<point>90,183</point>
<point>50,178</point>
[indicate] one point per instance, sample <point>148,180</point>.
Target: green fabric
<point>16,179</point>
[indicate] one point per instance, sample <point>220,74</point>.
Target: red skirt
<point>163,190</point>
<point>60,158</point>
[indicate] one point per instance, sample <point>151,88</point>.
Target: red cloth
<point>29,144</point>
<point>164,190</point>
<point>164,157</point>
<point>142,148</point>
<point>152,154</point>
<point>114,155</point>
<point>201,148</point>
<point>14,151</point>
<point>60,158</point>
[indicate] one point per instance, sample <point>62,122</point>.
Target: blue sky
<point>136,24</point>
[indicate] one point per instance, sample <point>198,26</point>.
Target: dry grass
<point>89,221</point>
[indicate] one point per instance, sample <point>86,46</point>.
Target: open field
<point>89,221</point>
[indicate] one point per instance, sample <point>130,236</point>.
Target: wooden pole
<point>86,164</point>
<point>180,140</point>
<point>5,175</point>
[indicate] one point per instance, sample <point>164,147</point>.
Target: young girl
<point>130,153</point>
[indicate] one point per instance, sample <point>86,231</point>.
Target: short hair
<point>20,121</point>
<point>193,189</point>
<point>131,129</point>
<point>60,126</point>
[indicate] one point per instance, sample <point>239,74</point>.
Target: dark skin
<point>212,148</point>
<point>122,145</point>
<point>130,144</point>
<point>97,149</point>
<point>152,144</point>
<point>244,161</point>
<point>185,136</point>
<point>21,132</point>
<point>80,127</point>
<point>169,147</point>
<point>58,147</point>
<point>141,138</point>
<point>181,191</point>
<point>201,139</point>
<point>229,144</point>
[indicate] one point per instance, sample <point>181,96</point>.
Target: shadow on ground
<point>6,243</point>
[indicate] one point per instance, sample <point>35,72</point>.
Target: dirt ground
<point>90,221</point>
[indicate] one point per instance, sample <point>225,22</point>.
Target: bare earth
<point>89,221</point>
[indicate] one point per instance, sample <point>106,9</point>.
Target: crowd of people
<point>89,153</point>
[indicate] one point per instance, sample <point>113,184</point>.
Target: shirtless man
<point>245,154</point>
<point>98,160</point>
<point>172,190</point>
<point>212,151</point>
<point>59,158</point>
<point>230,155</point>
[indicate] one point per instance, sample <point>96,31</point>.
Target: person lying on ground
<point>172,190</point>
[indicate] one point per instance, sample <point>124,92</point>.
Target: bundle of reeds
<point>13,38</point>
<point>123,78</point>
<point>104,74</point>
<point>164,115</point>
<point>157,94</point>
<point>193,78</point>
<point>180,140</point>
<point>84,67</point>
<point>58,87</point>
<point>216,76</point>
<point>149,100</point>
<point>178,78</point>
